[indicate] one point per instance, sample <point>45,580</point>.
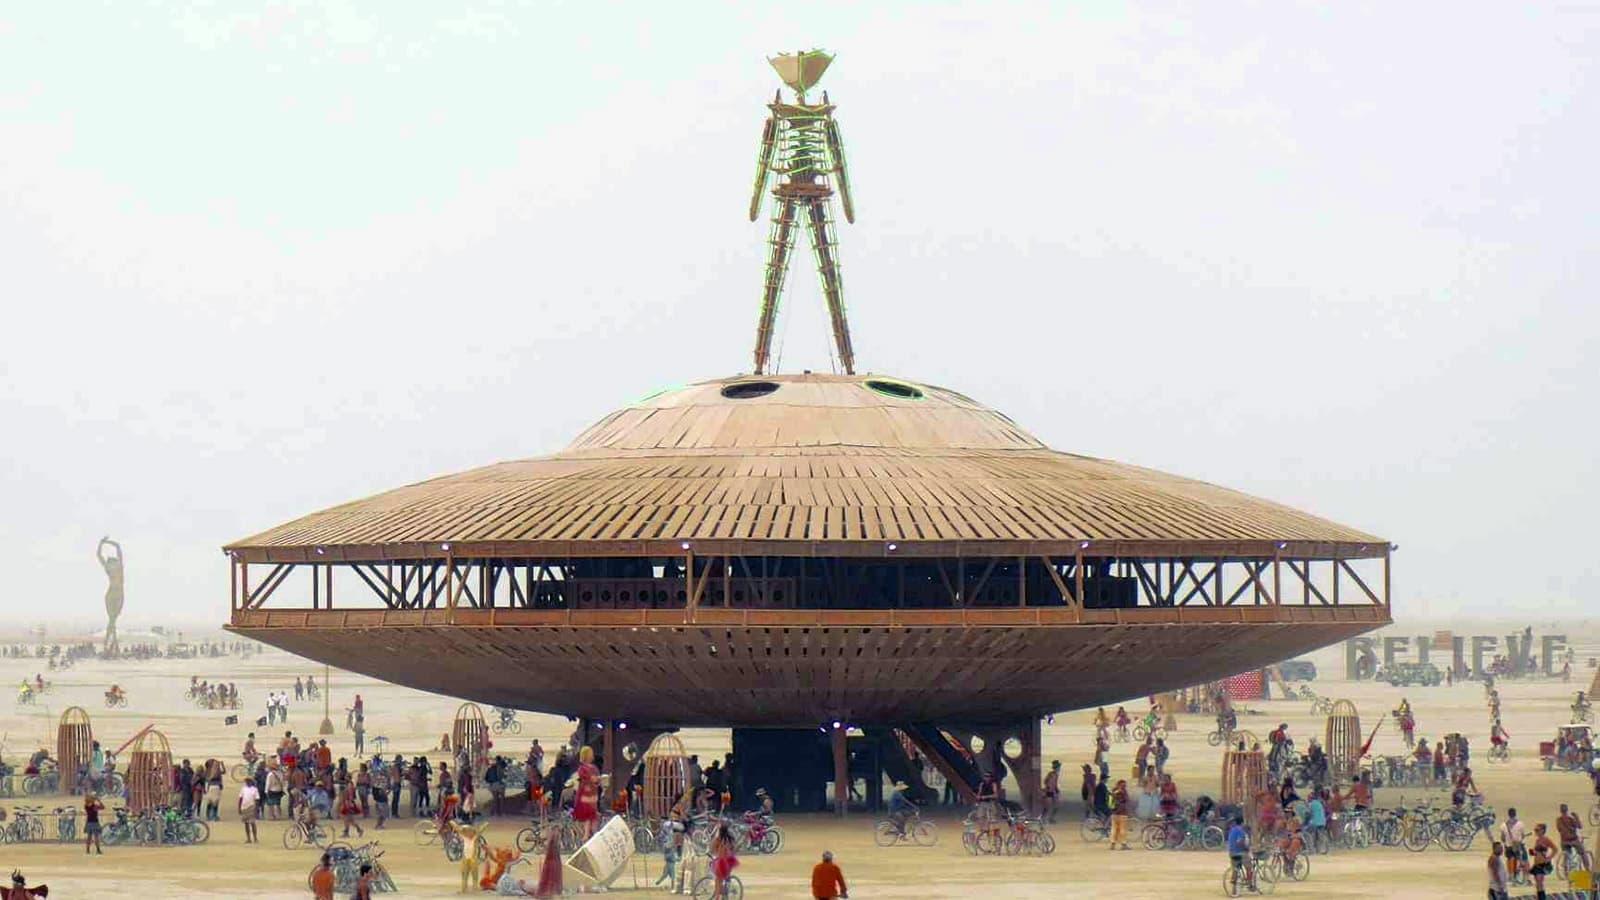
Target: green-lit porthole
<point>896,389</point>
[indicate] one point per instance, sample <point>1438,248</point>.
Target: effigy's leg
<point>779,243</point>
<point>819,222</point>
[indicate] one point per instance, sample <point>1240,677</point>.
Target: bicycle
<point>705,888</point>
<point>1282,865</point>
<point>912,829</point>
<point>506,723</point>
<point>346,862</point>
<point>27,824</point>
<point>1219,736</point>
<point>116,701</point>
<point>1094,828</point>
<point>1571,860</point>
<point>47,781</point>
<point>300,832</point>
<point>66,823</point>
<point>1249,875</point>
<point>1143,732</point>
<point>1027,835</point>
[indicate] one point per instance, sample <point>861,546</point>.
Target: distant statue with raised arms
<point>110,555</point>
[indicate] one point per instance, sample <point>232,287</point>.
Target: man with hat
<point>900,806</point>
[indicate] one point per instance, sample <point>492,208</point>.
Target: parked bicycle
<point>346,862</point>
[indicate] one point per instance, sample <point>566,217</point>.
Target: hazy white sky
<point>256,263</point>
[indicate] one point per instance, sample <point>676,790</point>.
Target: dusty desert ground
<point>413,721</point>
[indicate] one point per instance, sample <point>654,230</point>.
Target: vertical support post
<point>961,580</point>
<point>1027,768</point>
<point>727,581</point>
<point>1022,581</point>
<point>608,749</point>
<point>450,586</point>
<point>316,588</point>
<point>1386,551</point>
<point>688,583</point>
<point>327,591</point>
<point>1277,578</point>
<point>1305,584</point>
<point>1217,580</point>
<point>244,583</point>
<point>1336,568</point>
<point>841,771</point>
<point>1077,583</point>
<point>233,584</point>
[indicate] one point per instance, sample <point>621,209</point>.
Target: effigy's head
<point>801,71</point>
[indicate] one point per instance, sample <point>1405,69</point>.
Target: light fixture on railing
<point>445,547</point>
<point>1083,546</point>
<point>836,724</point>
<point>622,726</point>
<point>1283,545</point>
<point>321,552</point>
<point>893,547</point>
<point>684,545</point>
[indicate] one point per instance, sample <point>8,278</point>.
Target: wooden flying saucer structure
<point>794,549</point>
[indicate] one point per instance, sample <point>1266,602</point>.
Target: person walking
<point>827,881</point>
<point>322,879</point>
<point>360,733</point>
<point>1499,888</point>
<point>299,689</point>
<point>350,807</point>
<point>397,777</point>
<point>276,785</point>
<point>91,823</point>
<point>364,789</point>
<point>1120,807</point>
<point>380,790</point>
<point>364,883</point>
<point>248,798</point>
<point>1544,850</point>
<point>1052,791</point>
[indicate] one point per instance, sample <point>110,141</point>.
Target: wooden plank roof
<point>818,458</point>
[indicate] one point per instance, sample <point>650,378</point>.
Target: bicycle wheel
<point>644,840</point>
<point>527,840</point>
<point>239,772</point>
<point>1140,733</point>
<point>1154,836</point>
<point>1265,882</point>
<point>885,834</point>
<point>1230,881</point>
<point>1044,843</point>
<point>1457,836</point>
<point>704,888</point>
<point>426,832</point>
<point>1300,869</point>
<point>454,848</point>
<point>1092,830</point>
<point>772,842</point>
<point>1214,738</point>
<point>294,837</point>
<point>989,842</point>
<point>197,832</point>
<point>516,727</point>
<point>969,840</point>
<point>1212,838</point>
<point>320,834</point>
<point>1417,837</point>
<point>924,834</point>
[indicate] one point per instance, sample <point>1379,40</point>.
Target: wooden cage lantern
<point>1343,741</point>
<point>666,775</point>
<point>1244,776</point>
<point>149,777</point>
<point>470,731</point>
<point>74,745</point>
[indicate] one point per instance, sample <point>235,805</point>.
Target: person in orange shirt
<point>827,882</point>
<point>322,879</point>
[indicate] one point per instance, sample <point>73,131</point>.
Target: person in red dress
<point>586,803</point>
<point>723,860</point>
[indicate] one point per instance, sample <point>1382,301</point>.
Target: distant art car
<point>1405,674</point>
<point>1298,670</point>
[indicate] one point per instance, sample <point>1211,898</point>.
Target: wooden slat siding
<point>875,468</point>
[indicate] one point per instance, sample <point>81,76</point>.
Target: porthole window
<point>748,390</point>
<point>896,389</point>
